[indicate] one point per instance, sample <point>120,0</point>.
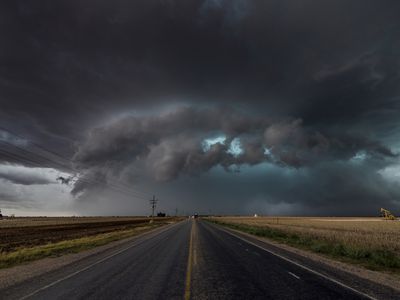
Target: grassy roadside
<point>373,259</point>
<point>28,254</point>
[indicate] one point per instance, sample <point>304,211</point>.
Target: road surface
<point>192,259</point>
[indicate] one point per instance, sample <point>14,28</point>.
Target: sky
<point>269,107</point>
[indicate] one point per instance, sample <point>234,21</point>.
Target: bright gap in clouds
<point>26,191</point>
<point>208,143</point>
<point>267,151</point>
<point>359,156</point>
<point>19,174</point>
<point>235,147</point>
<point>391,173</point>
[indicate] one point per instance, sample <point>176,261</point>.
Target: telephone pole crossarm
<point>153,203</point>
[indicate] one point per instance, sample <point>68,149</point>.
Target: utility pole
<point>153,203</point>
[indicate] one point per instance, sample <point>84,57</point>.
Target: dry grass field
<point>372,242</point>
<point>27,239</point>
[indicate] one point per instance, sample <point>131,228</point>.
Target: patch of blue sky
<point>235,148</point>
<point>207,143</point>
<point>359,156</point>
<point>267,151</point>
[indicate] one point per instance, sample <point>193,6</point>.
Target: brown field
<point>25,232</point>
<point>367,233</point>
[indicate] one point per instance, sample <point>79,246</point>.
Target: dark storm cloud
<point>170,144</point>
<point>313,81</point>
<point>78,61</point>
<point>330,188</point>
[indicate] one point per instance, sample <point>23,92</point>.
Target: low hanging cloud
<point>171,144</point>
<point>18,174</point>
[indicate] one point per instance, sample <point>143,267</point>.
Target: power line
<point>40,162</point>
<point>31,142</point>
<point>38,145</point>
<point>83,179</point>
<point>73,170</point>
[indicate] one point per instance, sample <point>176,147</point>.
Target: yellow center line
<point>194,257</point>
<point>194,244</point>
<point>189,266</point>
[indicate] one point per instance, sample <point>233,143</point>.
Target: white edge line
<point>302,266</point>
<point>294,275</point>
<point>95,263</point>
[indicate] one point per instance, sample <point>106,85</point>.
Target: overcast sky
<point>286,107</point>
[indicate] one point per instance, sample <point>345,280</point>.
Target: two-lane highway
<point>189,260</point>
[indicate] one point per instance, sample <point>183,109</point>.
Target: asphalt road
<point>189,260</point>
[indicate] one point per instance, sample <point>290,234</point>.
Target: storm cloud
<point>173,142</point>
<point>155,94</point>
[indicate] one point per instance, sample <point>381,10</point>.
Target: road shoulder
<point>382,286</point>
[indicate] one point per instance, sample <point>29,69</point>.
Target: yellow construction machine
<point>387,215</point>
